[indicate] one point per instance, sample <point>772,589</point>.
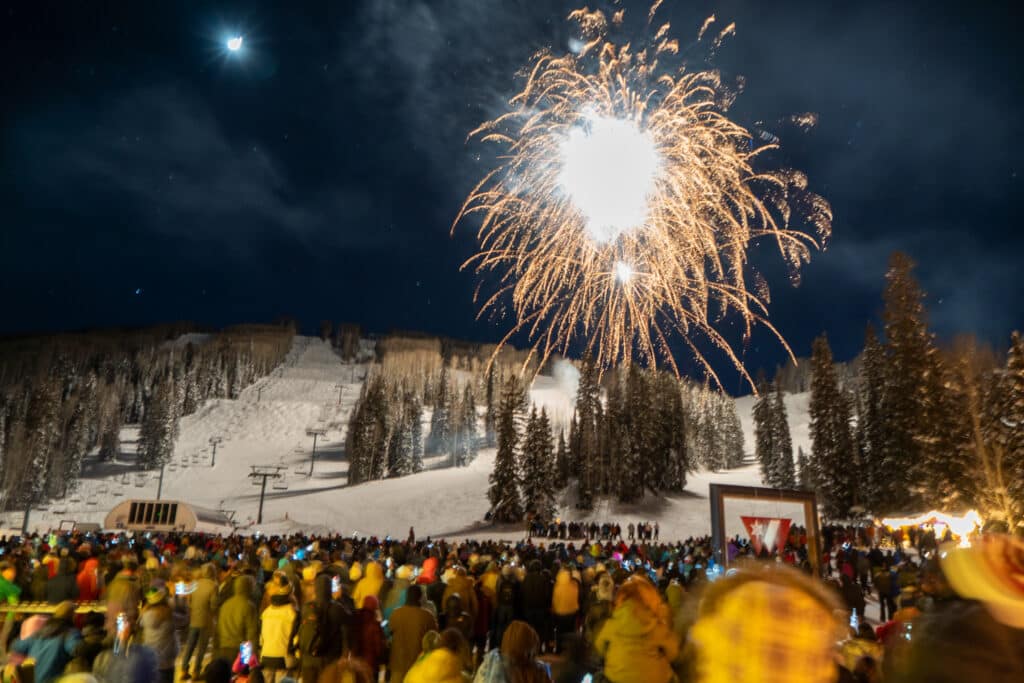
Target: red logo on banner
<point>767,532</point>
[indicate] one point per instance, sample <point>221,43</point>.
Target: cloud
<point>161,152</point>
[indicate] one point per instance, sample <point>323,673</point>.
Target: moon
<point>235,43</point>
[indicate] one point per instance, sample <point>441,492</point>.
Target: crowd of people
<point>338,609</point>
<point>592,531</point>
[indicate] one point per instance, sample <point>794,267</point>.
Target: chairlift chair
<point>124,479</point>
<point>280,484</point>
<point>140,480</point>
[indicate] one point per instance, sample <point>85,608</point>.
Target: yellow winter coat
<point>370,584</point>
<point>565,598</point>
<point>637,644</point>
<point>438,666</point>
<point>463,585</point>
<point>276,628</point>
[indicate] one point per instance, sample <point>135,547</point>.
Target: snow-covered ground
<point>267,425</point>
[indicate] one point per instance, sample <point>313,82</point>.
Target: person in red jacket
<point>88,575</point>
<point>367,635</point>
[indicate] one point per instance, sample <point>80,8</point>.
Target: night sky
<point>150,176</point>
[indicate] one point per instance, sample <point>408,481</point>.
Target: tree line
<point>634,432</point>
<point>922,425</point>
<point>66,396</point>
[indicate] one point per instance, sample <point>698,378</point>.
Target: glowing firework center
<point>608,170</point>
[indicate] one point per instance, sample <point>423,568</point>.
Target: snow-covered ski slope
<point>267,425</point>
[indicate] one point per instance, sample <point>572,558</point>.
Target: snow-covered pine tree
<point>159,429</point>
<point>1005,433</point>
<point>908,348</point>
<point>561,462</point>
<point>537,481</point>
<point>735,443</point>
<point>367,441</point>
<point>76,429</point>
<point>831,438</point>
<point>669,465</point>
<point>439,437</point>
<point>615,426</point>
<point>503,493</point>
<point>414,412</point>
<point>468,427</point>
<point>491,405</point>
<point>400,442</point>
<point>588,414</point>
<point>782,460</point>
<point>764,435</point>
<point>805,478</point>
<point>456,438</point>
<point>870,437</point>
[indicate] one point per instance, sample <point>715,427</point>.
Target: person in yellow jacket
<point>637,642</point>
<point>565,603</point>
<point>443,664</point>
<point>370,584</point>
<point>460,583</point>
<point>279,624</point>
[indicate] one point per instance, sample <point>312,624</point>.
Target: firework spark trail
<point>558,227</point>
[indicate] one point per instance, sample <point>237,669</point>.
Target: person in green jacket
<point>237,620</point>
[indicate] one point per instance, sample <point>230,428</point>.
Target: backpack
<point>310,631</point>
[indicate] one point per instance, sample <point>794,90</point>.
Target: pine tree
<point>538,480</point>
<point>489,415</point>
<point>782,475</point>
<point>735,446</point>
<point>588,415</point>
<point>870,437</point>
<point>764,435</point>
<point>159,429</point>
<point>42,436</point>
<point>503,494</point>
<point>469,421</point>
<point>1004,437</point>
<point>831,438</point>
<point>561,462</point>
<point>439,438</point>
<point>908,350</point>
<point>805,477</point>
<point>414,413</point>
<point>670,462</point>
<point>400,444</point>
<point>367,440</point>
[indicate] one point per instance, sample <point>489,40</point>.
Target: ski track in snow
<point>267,425</point>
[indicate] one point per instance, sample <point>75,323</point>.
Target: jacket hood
<point>634,619</point>
<point>374,572</point>
<point>429,573</point>
<point>440,665</point>
<point>243,585</point>
<point>563,578</point>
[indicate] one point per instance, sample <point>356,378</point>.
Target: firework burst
<point>623,204</point>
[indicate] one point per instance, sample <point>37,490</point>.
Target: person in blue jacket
<point>52,646</point>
